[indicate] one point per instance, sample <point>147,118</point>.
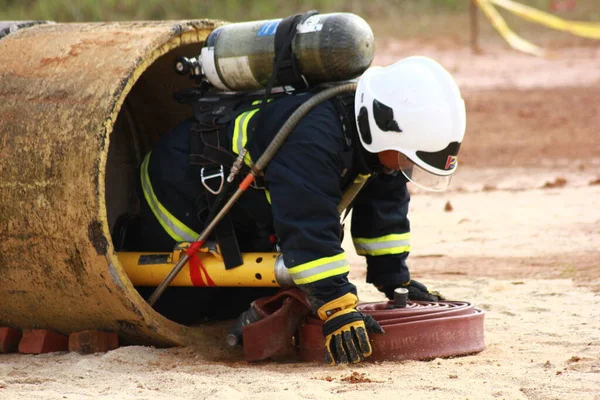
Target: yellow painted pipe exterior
<point>63,87</point>
<point>149,269</point>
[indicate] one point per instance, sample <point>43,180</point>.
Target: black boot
<point>126,232</point>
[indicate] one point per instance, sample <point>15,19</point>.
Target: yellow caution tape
<point>515,41</point>
<point>588,30</point>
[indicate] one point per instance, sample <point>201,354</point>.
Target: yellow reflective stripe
<point>388,244</point>
<point>175,228</point>
<point>240,134</point>
<point>268,196</point>
<point>319,269</point>
<point>361,178</point>
<point>256,102</point>
<point>248,160</point>
<point>240,130</point>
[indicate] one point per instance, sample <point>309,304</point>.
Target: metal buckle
<point>215,175</point>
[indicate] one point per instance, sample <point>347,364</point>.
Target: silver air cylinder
<point>328,47</point>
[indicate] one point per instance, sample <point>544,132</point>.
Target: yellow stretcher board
<point>149,269</point>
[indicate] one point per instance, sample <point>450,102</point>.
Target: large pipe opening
<point>148,112</point>
<point>76,115</point>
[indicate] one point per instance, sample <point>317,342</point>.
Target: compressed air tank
<point>328,48</point>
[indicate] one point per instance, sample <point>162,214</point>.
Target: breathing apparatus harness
<point>213,112</point>
<point>212,159</point>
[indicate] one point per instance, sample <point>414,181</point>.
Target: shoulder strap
<point>345,106</point>
<point>358,178</point>
<point>208,136</point>
<point>285,68</point>
<point>285,60</point>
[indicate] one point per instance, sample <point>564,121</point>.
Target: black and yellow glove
<point>345,330</point>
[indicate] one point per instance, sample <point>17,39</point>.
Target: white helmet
<point>413,107</point>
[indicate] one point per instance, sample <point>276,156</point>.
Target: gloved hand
<point>345,330</point>
<point>416,291</point>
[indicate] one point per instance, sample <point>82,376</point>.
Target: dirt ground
<point>518,234</point>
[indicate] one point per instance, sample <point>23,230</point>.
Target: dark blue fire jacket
<point>304,184</point>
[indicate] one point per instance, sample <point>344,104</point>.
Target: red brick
<point>91,341</point>
<point>36,341</point>
<point>9,339</point>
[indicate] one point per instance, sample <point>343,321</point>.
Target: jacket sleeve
<point>381,229</point>
<point>304,189</point>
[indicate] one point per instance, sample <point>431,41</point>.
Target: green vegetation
<point>233,10</point>
<point>388,18</point>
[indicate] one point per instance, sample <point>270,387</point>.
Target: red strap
<point>194,248</point>
<point>197,269</point>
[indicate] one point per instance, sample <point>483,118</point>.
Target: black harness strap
<point>286,69</point>
<point>225,235</point>
<point>208,157</point>
<point>344,105</point>
<point>212,116</point>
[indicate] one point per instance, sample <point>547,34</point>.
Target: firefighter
<point>405,123</point>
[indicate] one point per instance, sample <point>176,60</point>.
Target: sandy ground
<point>518,235</point>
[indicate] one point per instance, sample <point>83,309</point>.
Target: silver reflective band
<point>368,247</point>
<point>394,243</point>
<point>319,269</point>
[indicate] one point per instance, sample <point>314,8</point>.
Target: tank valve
<point>400,297</point>
<point>188,67</point>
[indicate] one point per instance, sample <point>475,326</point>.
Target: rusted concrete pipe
<point>8,27</point>
<point>79,105</point>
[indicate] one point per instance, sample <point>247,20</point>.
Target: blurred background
<point>390,19</point>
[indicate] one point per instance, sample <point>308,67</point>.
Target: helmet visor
<point>425,179</point>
